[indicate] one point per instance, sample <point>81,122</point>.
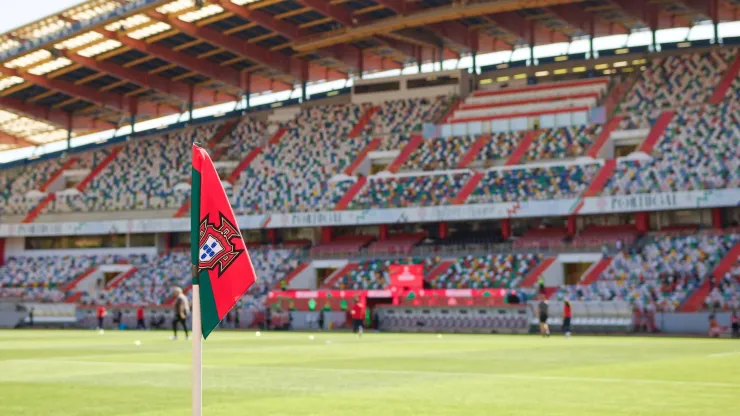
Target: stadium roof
<point>90,67</point>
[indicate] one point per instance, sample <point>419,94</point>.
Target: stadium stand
<point>562,143</point>
<point>293,175</point>
<point>547,98</point>
<point>523,184</point>
<point>396,117</point>
<point>662,275</point>
<point>674,82</point>
<point>143,176</point>
<point>489,271</point>
<point>699,151</point>
<point>407,191</point>
<point>374,274</point>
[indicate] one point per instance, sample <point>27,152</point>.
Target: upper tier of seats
<point>405,116</point>
<point>699,150</point>
<point>552,98</point>
<point>666,271</point>
<point>674,82</point>
<point>143,176</point>
<point>294,173</point>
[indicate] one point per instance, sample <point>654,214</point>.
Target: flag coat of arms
<point>224,271</point>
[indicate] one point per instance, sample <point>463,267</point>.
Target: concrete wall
<point>689,323</point>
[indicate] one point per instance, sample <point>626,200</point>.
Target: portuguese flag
<point>224,270</point>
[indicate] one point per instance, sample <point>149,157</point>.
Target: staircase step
<point>439,269</point>
<point>289,278</point>
<point>474,150</point>
<point>351,194</point>
<point>656,132</point>
<point>521,150</point>
<point>535,274</point>
<point>695,301</point>
<point>96,171</point>
<point>729,77</point>
<point>336,276</point>
<point>600,180</point>
<point>71,285</point>
<point>183,210</point>
<point>467,189</point>
<point>357,129</point>
<point>120,278</point>
<point>223,131</point>
<point>275,139</point>
<point>36,210</point>
<point>45,186</point>
<point>593,273</point>
<point>603,137</point>
<point>244,164</point>
<point>405,154</point>
<point>374,144</point>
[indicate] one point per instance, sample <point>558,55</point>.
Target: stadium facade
<point>610,177</point>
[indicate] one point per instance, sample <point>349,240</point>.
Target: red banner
<point>409,276</point>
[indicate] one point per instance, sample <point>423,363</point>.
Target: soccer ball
<point>137,343</point>
<point>257,333</point>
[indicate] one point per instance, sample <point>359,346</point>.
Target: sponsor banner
<point>527,209</point>
<point>409,276</point>
<point>75,28</point>
<point>661,201</point>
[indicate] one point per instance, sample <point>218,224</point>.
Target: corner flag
<point>222,270</point>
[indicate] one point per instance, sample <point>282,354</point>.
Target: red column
<point>382,232</point>
<point>2,251</point>
<point>271,236</point>
<point>443,230</point>
<point>506,229</point>
<point>642,222</point>
<point>572,225</point>
<point>168,242</point>
<point>717,218</point>
<point>325,235</point>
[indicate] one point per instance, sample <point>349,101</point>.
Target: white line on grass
<point>511,376</point>
<point>431,373</point>
<point>725,354</point>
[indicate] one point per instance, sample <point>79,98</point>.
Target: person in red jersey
<point>357,313</point>
<point>567,314</point>
<point>140,318</point>
<point>101,317</point>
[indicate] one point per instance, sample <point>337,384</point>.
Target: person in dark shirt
<point>567,313</point>
<point>542,311</point>
<point>182,307</point>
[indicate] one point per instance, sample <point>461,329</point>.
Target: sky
<point>13,17</point>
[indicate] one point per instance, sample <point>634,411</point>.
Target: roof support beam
<point>336,12</point>
<point>286,29</point>
<point>225,75</point>
<point>58,118</point>
<point>425,18</point>
<point>155,82</point>
<point>114,102</point>
<point>6,138</point>
<point>284,64</point>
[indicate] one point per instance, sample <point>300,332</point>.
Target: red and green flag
<point>224,270</point>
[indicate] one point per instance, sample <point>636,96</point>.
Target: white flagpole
<point>197,355</point>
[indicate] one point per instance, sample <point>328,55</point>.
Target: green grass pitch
<point>81,373</point>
